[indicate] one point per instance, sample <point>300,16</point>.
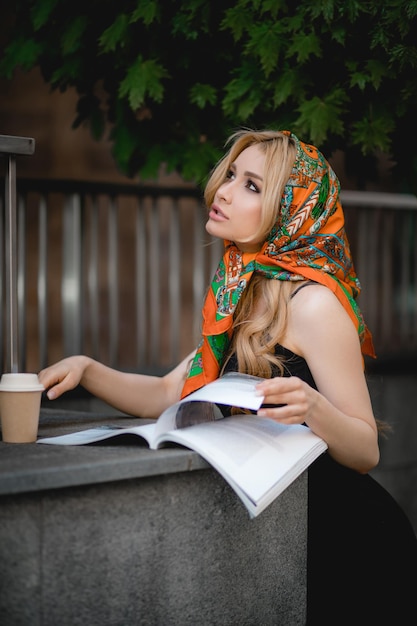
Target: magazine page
<point>258,457</point>
<point>100,433</point>
<point>232,389</point>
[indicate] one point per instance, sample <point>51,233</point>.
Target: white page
<point>252,453</point>
<point>232,389</point>
<point>100,433</point>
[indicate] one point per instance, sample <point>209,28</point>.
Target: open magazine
<point>258,457</point>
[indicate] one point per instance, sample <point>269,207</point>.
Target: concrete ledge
<point>171,545</point>
<point>33,467</point>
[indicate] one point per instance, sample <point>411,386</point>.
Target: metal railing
<point>117,272</point>
<point>120,271</point>
<point>382,229</point>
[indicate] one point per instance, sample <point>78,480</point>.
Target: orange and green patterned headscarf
<point>307,242</point>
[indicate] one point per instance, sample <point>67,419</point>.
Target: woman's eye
<point>252,186</point>
<point>230,174</point>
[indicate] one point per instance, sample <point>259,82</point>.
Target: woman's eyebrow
<point>253,175</point>
<point>247,173</point>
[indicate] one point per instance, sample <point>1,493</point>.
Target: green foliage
<point>115,34</point>
<point>72,36</point>
<point>41,12</point>
<point>171,80</point>
<point>21,52</point>
<point>320,117</point>
<point>146,11</point>
<point>143,78</point>
<point>201,95</point>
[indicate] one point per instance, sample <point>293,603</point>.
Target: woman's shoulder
<point>317,300</point>
<point>316,317</point>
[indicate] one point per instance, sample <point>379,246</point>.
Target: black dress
<point>362,549</point>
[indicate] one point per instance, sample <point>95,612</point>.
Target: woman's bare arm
<point>135,394</point>
<point>340,411</point>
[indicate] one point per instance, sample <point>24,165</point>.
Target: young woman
<point>282,305</point>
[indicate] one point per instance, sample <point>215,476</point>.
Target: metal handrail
<point>10,147</point>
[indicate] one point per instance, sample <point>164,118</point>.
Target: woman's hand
<point>292,399</point>
<point>63,376</point>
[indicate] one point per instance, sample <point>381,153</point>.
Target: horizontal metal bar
<point>83,187</point>
<point>16,145</point>
<point>379,199</point>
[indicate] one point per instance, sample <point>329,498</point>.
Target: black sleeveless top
<point>294,365</point>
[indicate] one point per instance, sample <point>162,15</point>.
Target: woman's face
<point>236,210</point>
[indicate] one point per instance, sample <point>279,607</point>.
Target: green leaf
<point>88,110</point>
<point>410,10</point>
<point>147,11</point>
<point>304,46</point>
<point>238,20</point>
<point>372,74</point>
<point>319,117</point>
<point>115,34</point>
<point>143,78</point>
<point>22,53</point>
<point>331,10</point>
<point>339,34</point>
<point>155,157</point>
<point>41,12</point>
<point>377,71</point>
<point>71,38</point>
<point>265,43</point>
<point>287,86</point>
<point>359,79</point>
<point>201,95</point>
<point>65,75</point>
<point>373,133</point>
<point>192,19</point>
<point>404,56</point>
<point>236,89</point>
<point>270,7</point>
<point>124,145</point>
<point>323,9</point>
<point>197,158</point>
<point>248,105</point>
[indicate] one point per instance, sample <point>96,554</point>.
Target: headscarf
<point>308,241</point>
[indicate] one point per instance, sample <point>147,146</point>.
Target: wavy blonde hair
<point>260,319</point>
<point>260,322</point>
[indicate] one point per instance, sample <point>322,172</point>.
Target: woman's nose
<point>224,192</point>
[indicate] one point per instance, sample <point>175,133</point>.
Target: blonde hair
<point>260,319</point>
<point>259,324</point>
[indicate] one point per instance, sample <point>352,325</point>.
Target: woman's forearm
<point>135,394</point>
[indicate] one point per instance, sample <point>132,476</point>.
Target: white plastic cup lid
<point>20,382</point>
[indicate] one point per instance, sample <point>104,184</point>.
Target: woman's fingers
<point>286,399</point>
<point>61,377</point>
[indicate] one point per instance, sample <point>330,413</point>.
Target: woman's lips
<point>217,214</point>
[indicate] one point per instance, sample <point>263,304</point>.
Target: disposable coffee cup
<point>20,403</point>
